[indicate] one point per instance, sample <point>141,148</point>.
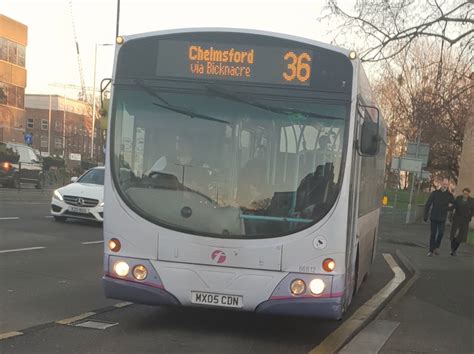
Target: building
<point>46,119</point>
<point>466,170</point>
<point>13,41</point>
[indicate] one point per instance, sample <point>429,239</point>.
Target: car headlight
<point>102,204</point>
<point>57,195</point>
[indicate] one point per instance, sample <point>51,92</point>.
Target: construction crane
<point>74,87</point>
<point>82,94</point>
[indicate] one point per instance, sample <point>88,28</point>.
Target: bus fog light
<point>297,287</point>
<point>140,272</point>
<point>316,286</point>
<point>121,268</point>
<point>329,265</point>
<point>114,245</point>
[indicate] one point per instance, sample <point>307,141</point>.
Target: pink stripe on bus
<point>153,285</point>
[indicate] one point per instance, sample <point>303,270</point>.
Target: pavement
<point>434,313</point>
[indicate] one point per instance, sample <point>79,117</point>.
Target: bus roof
<point>240,30</point>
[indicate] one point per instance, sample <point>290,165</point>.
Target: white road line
<point>22,249</point>
<point>336,339</point>
<point>92,242</point>
<point>49,216</point>
<point>10,218</point>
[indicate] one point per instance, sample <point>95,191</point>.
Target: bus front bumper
<point>330,308</point>
<point>136,292</point>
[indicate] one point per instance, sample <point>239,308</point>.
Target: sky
<point>51,53</point>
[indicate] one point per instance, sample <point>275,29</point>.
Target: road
<point>50,271</point>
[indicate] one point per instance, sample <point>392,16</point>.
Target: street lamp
<point>93,97</point>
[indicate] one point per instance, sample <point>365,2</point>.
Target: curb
<point>396,296</point>
<point>365,314</point>
<point>415,275</point>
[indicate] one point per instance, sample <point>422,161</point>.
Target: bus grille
<point>80,201</point>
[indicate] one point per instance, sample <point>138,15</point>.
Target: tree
<point>427,92</point>
<point>390,27</point>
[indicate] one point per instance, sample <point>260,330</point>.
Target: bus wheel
<point>355,275</point>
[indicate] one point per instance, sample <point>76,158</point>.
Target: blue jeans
<point>437,231</point>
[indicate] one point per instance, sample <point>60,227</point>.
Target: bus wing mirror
<point>104,84</point>
<point>369,139</point>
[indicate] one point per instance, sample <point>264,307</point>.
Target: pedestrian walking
<point>461,217</point>
<point>436,208</point>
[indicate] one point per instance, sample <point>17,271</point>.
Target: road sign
<point>423,152</point>
<point>75,157</point>
<point>406,164</point>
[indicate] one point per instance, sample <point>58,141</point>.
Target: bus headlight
<point>57,195</point>
<point>316,286</point>
<point>297,287</point>
<point>114,245</point>
<point>140,272</point>
<point>121,268</point>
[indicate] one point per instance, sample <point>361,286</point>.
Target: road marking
<point>123,304</point>
<point>22,249</point>
<point>49,216</point>
<point>9,334</point>
<point>372,338</point>
<point>92,242</point>
<point>96,324</point>
<point>341,335</point>
<point>10,218</point>
<point>70,320</point>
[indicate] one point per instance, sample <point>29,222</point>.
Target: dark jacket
<point>437,205</point>
<point>463,210</point>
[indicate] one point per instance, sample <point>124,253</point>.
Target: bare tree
<point>389,27</point>
<point>427,92</point>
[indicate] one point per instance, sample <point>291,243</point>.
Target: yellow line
<point>70,320</point>
<point>9,334</point>
<point>339,337</point>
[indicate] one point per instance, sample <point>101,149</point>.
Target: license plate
<point>79,210</point>
<point>221,300</point>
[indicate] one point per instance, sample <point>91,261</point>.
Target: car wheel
<point>59,218</point>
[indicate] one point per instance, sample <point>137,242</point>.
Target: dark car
<point>19,164</point>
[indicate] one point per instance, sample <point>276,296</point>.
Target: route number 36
<point>298,67</point>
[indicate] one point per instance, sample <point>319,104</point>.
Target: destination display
<point>218,61</point>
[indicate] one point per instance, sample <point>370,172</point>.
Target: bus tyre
<point>59,218</point>
<point>356,274</point>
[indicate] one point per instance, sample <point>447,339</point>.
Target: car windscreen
<point>94,176</point>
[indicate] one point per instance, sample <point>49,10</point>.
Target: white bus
<point>244,170</point>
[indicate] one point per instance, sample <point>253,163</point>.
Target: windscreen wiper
<point>170,107</point>
<point>238,98</point>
